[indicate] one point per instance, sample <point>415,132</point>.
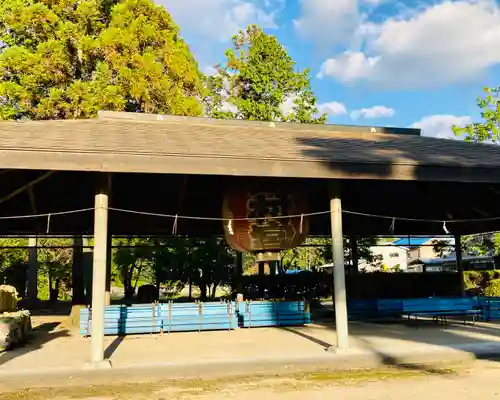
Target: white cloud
<point>287,106</point>
<point>328,21</point>
<point>221,19</point>
<point>439,126</point>
<point>373,112</point>
<point>373,3</point>
<point>209,70</point>
<point>446,42</point>
<point>348,66</point>
<point>332,108</point>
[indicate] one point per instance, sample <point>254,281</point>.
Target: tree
<point>481,244</point>
<point>171,263</point>
<point>318,251</point>
<point>63,59</point>
<point>55,258</point>
<point>214,265</point>
<point>489,130</point>
<point>257,79</point>
<point>132,262</point>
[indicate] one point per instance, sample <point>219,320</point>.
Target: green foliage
<point>473,245</point>
<point>492,288</point>
<point>12,256</point>
<point>257,78</point>
<point>131,264</point>
<point>54,268</point>
<point>477,282</point>
<point>307,257</point>
<point>472,279</point>
<point>54,265</point>
<point>173,263</point>
<point>214,263</point>
<point>320,253</point>
<point>63,59</point>
<point>364,250</point>
<point>488,130</point>
<point>317,251</point>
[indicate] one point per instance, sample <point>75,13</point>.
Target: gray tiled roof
<point>194,145</point>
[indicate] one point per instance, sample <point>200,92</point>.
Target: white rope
<point>393,218</point>
<point>301,217</point>
<point>174,226</point>
<point>212,218</point>
<point>48,223</point>
<point>54,214</point>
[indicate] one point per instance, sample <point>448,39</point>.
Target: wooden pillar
<point>460,267</point>
<point>78,297</point>
<point>238,273</point>
<point>239,264</point>
<point>87,262</point>
<point>262,268</point>
<point>339,287</point>
<point>109,242</point>
<point>32,289</point>
<point>354,254</point>
<point>99,280</point>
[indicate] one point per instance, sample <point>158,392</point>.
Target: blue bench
<point>185,317</point>
<point>440,309</point>
<point>490,307</point>
<point>374,309</point>
<point>162,318</point>
<point>253,314</point>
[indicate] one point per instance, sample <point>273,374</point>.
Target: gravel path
<point>480,384</point>
<point>399,384</point>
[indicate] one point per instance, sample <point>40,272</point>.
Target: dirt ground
<point>459,383</point>
<point>475,380</point>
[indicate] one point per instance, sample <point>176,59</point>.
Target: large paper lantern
<point>264,221</point>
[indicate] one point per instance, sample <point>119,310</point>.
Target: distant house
<point>404,253</point>
<point>392,258</point>
<point>407,255</point>
<point>421,248</point>
<point>449,264</point>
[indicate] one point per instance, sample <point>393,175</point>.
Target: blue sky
<point>373,62</point>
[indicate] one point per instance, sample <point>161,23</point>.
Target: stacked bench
<point>185,317</point>
<point>275,313</point>
<point>162,318</point>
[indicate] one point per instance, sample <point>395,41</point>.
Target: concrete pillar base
<point>97,365</point>
<point>337,350</point>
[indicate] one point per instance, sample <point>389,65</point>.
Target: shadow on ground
<point>39,336</point>
<point>113,346</point>
<point>481,340</point>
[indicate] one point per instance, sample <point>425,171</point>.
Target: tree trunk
<point>214,290</point>
<point>203,291</point>
<point>54,291</point>
<point>127,283</point>
<point>49,278</point>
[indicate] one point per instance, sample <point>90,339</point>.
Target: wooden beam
<point>26,187</point>
<point>235,166</point>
